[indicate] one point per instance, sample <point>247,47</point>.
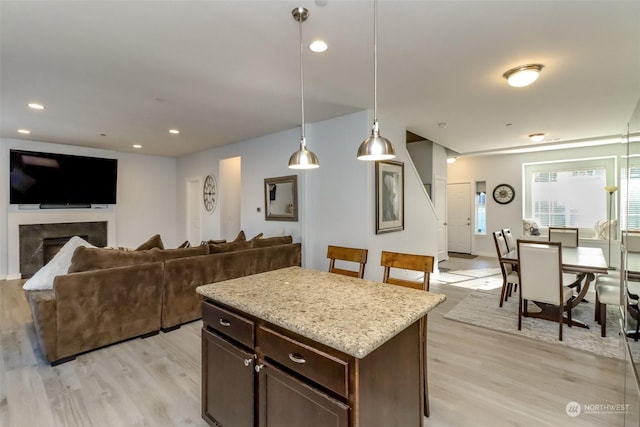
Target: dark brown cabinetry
<point>255,374</point>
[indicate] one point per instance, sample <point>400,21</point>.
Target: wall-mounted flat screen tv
<point>59,180</point>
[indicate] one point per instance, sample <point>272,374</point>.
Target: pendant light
<point>303,158</point>
<point>376,147</point>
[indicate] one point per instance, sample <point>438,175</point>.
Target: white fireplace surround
<point>17,217</point>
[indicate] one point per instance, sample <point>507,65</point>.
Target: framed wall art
<point>389,196</point>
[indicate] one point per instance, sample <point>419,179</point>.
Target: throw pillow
<point>186,244</point>
<point>271,241</point>
<point>153,242</point>
<point>59,264</point>
<point>257,236</point>
<point>229,246</point>
<point>240,237</point>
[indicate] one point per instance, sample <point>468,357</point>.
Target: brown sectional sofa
<point>110,296</point>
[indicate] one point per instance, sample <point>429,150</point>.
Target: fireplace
<point>40,242</point>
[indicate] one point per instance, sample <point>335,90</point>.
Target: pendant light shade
<point>303,158</point>
<point>376,147</point>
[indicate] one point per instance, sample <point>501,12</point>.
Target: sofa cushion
<point>270,241</point>
<point>59,264</point>
<point>86,259</point>
<point>153,242</point>
<point>165,254</point>
<point>229,246</point>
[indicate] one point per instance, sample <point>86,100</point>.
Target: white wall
<point>507,168</point>
<point>146,202</point>
<point>336,201</point>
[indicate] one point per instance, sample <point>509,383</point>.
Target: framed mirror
<point>281,198</point>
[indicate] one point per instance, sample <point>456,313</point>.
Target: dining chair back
<point>510,240</point>
<point>568,236</point>
<point>631,241</point>
<point>421,263</point>
<point>341,253</point>
<point>509,275</point>
<point>540,272</point>
<point>424,264</point>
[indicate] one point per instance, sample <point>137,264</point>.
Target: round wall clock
<point>503,194</point>
<point>210,193</point>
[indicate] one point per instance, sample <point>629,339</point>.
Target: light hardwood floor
<point>477,377</point>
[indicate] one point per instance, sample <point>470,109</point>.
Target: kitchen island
<point>302,347</point>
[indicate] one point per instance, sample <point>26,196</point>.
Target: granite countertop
<point>352,315</point>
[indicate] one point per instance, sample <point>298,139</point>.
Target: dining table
<point>585,262</point>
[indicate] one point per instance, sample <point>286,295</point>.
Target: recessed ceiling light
<point>174,131</point>
<point>36,106</point>
<point>318,46</point>
<point>523,75</point>
<point>24,131</point>
<point>537,137</point>
<point>137,146</point>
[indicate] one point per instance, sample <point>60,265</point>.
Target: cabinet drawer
<point>322,368</point>
<point>229,324</point>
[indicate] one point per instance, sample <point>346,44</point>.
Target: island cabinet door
<point>286,401</point>
<point>228,383</point>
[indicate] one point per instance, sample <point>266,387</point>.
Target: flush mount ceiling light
<point>35,106</point>
<point>451,160</point>
<point>318,46</point>
<point>24,131</point>
<point>303,158</point>
<point>376,147</point>
<point>174,131</point>
<point>537,137</point>
<point>523,75</point>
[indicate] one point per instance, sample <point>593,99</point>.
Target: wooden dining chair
<point>424,264</point>
<point>510,277</point>
<point>566,235</point>
<point>347,254</point>
<point>541,279</point>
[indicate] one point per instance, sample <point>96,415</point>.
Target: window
<point>569,193</point>
<point>481,207</point>
<point>630,202</point>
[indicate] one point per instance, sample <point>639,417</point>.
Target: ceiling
<point>115,73</point>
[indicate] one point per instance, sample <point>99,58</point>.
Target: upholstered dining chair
<point>607,293</point>
<point>510,277</point>
<point>341,253</point>
<point>540,271</point>
<point>566,235</point>
<point>424,264</point>
<point>631,241</point>
<point>508,237</point>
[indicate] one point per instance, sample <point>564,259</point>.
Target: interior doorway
<point>230,197</point>
<point>194,211</point>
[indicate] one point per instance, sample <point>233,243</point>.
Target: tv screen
<point>60,179</point>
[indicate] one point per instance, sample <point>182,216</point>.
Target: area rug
<point>480,308</point>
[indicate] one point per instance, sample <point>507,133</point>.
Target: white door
<point>194,210</point>
<point>440,203</point>
<point>459,217</point>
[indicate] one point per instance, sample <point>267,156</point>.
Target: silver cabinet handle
<point>247,362</point>
<point>297,358</point>
<point>258,368</point>
<point>225,323</point>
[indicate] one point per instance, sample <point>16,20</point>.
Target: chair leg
<point>560,320</point>
<point>519,313</point>
<point>597,310</point>
<point>503,292</point>
<point>603,320</point>
<point>569,312</point>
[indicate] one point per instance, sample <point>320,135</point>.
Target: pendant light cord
<point>375,61</point>
<point>303,143</point>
